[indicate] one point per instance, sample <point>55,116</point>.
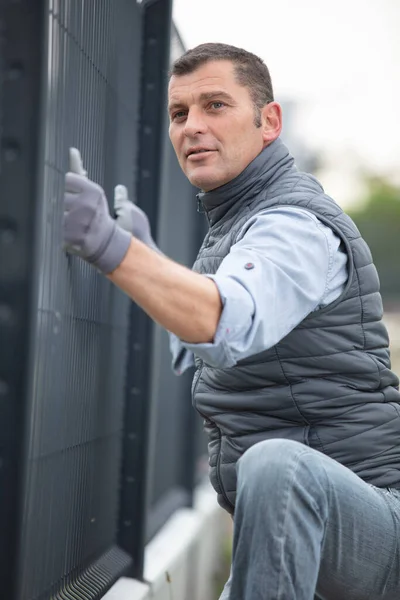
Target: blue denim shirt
<point>284,265</point>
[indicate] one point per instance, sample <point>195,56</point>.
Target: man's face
<point>212,126</point>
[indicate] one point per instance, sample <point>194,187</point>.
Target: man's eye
<point>179,115</point>
<point>217,104</point>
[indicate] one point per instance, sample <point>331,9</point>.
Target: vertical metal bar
<point>155,63</point>
<point>22,47</point>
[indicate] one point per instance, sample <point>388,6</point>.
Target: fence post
<point>21,26</point>
<point>155,62</point>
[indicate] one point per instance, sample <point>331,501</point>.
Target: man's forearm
<point>184,302</point>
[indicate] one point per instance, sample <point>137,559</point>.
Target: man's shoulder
<point>281,219</point>
<point>295,188</point>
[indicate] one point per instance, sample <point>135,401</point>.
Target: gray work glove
<point>88,228</point>
<point>131,218</point>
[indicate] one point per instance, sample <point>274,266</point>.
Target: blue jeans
<point>305,527</point>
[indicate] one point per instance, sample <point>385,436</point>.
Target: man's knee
<point>267,461</point>
<point>278,450</point>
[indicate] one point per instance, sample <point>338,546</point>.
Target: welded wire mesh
<point>71,493</point>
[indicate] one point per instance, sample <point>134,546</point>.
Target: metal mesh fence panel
<point>82,377</point>
<point>79,86</point>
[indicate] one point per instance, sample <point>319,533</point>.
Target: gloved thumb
<point>75,162</point>
<point>121,197</point>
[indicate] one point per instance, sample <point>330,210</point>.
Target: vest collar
<point>261,172</point>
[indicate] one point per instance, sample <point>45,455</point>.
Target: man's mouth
<point>198,152</point>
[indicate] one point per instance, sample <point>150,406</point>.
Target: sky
<point>339,60</point>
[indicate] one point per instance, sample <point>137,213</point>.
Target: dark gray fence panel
<point>81,375</point>
<point>79,87</point>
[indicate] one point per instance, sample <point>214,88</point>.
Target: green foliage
<point>378,220</point>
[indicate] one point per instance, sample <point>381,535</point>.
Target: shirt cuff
<point>237,313</point>
<point>182,359</point>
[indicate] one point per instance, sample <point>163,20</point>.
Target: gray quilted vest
<point>328,384</point>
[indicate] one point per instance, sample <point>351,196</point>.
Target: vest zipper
<point>201,209</point>
<point>217,471</point>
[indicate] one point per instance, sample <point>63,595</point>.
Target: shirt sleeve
<point>276,273</point>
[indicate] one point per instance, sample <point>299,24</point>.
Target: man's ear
<point>271,119</point>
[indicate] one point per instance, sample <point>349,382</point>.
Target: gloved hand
<point>88,228</point>
<point>131,218</point>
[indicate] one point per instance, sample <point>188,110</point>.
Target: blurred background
<point>103,468</point>
<point>335,68</point>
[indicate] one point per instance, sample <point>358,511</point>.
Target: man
<point>282,313</point>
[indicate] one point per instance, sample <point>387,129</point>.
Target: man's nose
<point>195,122</point>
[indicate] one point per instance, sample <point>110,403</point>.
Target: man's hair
<point>250,70</point>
